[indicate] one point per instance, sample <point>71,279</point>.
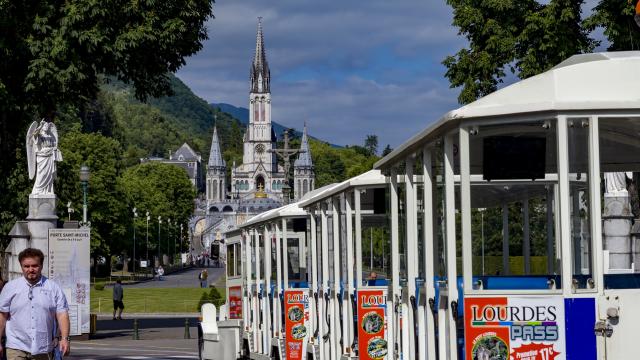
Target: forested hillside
<point>112,133</point>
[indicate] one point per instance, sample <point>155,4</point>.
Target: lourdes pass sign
<point>69,266</point>
<point>521,328</point>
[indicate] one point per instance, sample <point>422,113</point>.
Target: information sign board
<point>69,265</point>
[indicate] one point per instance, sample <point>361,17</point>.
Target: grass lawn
<point>154,300</point>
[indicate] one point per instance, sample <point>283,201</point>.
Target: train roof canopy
<point>290,210</point>
<point>588,83</point>
<point>371,177</point>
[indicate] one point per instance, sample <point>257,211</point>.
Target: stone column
<point>616,229</point>
<point>42,217</point>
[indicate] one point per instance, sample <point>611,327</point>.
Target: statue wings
<point>54,131</point>
<point>31,153</point>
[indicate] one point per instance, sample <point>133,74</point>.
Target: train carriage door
<point>618,310</point>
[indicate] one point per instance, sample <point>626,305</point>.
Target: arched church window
<point>305,187</point>
<point>215,188</point>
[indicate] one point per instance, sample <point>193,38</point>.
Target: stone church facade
<point>255,185</point>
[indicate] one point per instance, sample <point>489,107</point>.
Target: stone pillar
<point>42,217</point>
<point>616,230</point>
<point>20,236</point>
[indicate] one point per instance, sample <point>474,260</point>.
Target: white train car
<point>508,229</point>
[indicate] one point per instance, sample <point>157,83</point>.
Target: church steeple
<point>304,158</point>
<point>260,74</point>
<point>215,156</point>
<point>216,172</point>
<point>303,171</point>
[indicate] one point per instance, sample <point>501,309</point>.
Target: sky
<point>348,68</point>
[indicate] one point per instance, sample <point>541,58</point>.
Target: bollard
<point>136,334</point>
<point>187,334</point>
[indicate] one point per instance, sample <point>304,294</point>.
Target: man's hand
<point>65,347</point>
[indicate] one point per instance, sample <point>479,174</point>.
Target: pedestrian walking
<point>203,278</point>
<point>33,312</point>
<point>118,295</point>
<point>160,272</point>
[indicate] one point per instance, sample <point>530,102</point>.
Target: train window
<point>238,257</point>
<point>231,260</point>
<point>376,236</point>
<point>513,207</point>
<point>620,172</point>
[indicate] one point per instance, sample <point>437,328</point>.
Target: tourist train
<point>507,229</point>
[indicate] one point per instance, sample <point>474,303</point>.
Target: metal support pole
<point>159,258</point>
<point>505,239</point>
<point>136,334</point>
<point>84,202</point>
<point>526,245</point>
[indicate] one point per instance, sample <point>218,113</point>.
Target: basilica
<point>260,183</point>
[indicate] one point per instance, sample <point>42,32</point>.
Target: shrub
<point>98,287</point>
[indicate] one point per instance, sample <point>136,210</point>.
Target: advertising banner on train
<point>514,328</point>
<point>372,324</point>
<point>296,307</point>
<point>235,302</point>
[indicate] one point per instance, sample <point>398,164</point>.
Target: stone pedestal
<point>34,232</point>
<point>616,228</point>
<point>42,217</point>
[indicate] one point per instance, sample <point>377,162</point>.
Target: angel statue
<point>42,154</point>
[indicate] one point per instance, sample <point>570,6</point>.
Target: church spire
<point>260,74</point>
<point>215,156</point>
<point>304,159</point>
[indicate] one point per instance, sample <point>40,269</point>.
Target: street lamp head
<point>147,214</point>
<point>135,213</point>
<point>84,173</point>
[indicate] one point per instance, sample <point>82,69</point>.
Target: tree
<point>371,144</point>
<point>524,37</point>
<point>55,54</point>
<point>162,190</point>
<point>616,18</point>
<point>106,204</point>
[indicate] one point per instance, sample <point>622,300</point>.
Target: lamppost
<point>148,218</point>
<point>84,180</point>
<point>169,239</point>
<point>181,239</point>
<point>159,223</point>
<point>135,216</point>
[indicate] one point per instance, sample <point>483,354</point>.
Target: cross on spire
<point>286,153</point>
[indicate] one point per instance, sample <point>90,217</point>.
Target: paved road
<point>160,338</point>
<point>121,349</point>
<point>186,279</point>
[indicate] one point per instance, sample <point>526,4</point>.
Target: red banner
<point>296,308</point>
<point>372,324</point>
<point>235,302</point>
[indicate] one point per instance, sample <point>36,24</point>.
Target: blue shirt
<point>32,310</point>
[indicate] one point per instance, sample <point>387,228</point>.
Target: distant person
<point>118,305</point>
<point>204,275</point>
<point>371,280</point>
<point>33,311</point>
<point>160,272</point>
